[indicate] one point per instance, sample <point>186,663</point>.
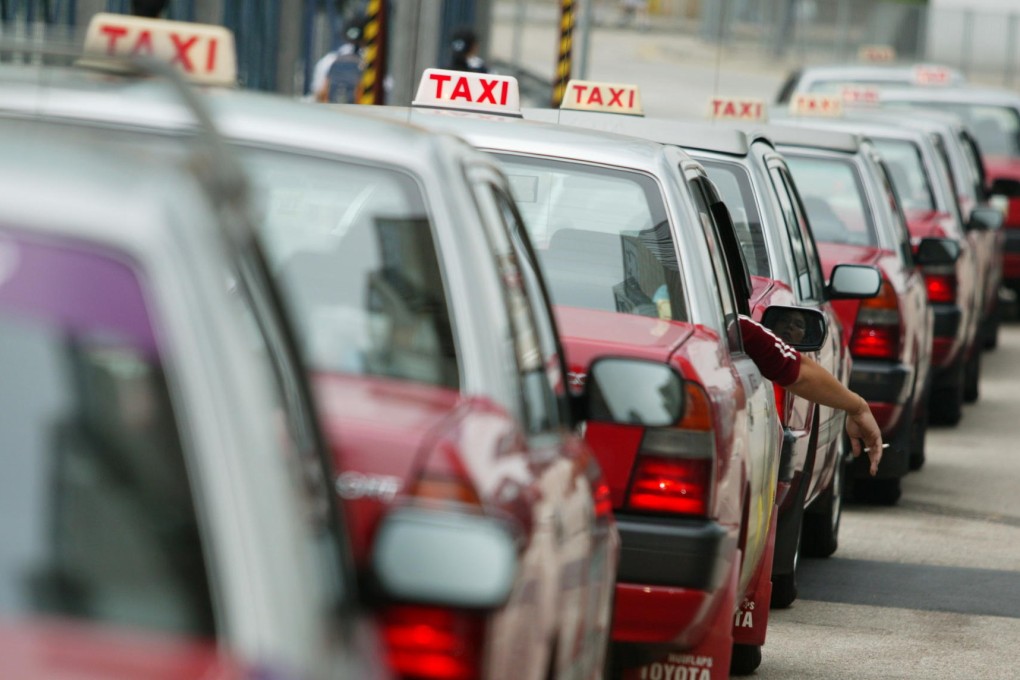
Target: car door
<point>810,293</point>
<point>759,434</point>
<point>568,476</point>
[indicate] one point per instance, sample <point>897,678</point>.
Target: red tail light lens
<point>780,402</point>
<point>941,286</point>
<point>433,643</point>
<point>673,473</point>
<point>877,328</point>
<point>673,485</point>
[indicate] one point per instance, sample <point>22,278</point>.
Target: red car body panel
<point>390,433</point>
<point>61,649</point>
<point>914,333</point>
<point>678,617</point>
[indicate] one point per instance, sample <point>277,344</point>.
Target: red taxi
<point>855,216</point>
<point>777,246</point>
<point>627,245</point>
<point>479,520</point>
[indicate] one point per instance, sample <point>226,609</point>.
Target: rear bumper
<point>684,553</point>
<point>885,386</point>
<point>670,574</point>
<point>1011,255</point>
<point>947,338</point>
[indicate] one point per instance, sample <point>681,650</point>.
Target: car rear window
<point>908,173</point>
<point>834,198</point>
<point>601,235</point>
<point>353,248</point>
<point>98,521</point>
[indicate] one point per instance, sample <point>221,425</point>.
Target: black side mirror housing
<point>1010,188</point>
<point>799,327</point>
<point>630,391</point>
<point>853,282</point>
<point>933,252</point>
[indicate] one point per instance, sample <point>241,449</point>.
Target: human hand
<point>865,435</point>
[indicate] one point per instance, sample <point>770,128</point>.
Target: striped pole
<point>370,88</point>
<point>566,47</point>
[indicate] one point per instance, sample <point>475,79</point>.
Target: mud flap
<point>710,660</point>
<point>752,617</point>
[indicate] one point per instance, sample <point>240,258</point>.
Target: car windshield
<point>909,176</point>
<point>96,513</point>
<point>601,235</point>
<point>734,186</point>
<point>996,128</point>
<point>834,198</point>
<point>353,248</point>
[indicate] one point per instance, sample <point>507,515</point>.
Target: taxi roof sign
<point>731,108</point>
<point>467,91</point>
<point>586,95</point>
<point>816,105</point>
<point>203,52</point>
<point>860,95</point>
<point>932,74</point>
<point>877,54</point>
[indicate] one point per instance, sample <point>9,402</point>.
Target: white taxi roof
<point>787,134</point>
<point>893,74</point>
<point>963,95</point>
<point>204,53</point>
<point>692,135</point>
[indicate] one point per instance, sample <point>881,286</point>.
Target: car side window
<point>539,364</point>
<point>724,287</point>
<point>100,520</point>
<point>809,274</point>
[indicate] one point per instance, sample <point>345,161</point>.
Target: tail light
<point>877,328</point>
<point>433,643</point>
<point>780,402</point>
<point>941,284</point>
<point>673,473</point>
<point>428,642</point>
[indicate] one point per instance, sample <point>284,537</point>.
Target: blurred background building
<point>278,41</point>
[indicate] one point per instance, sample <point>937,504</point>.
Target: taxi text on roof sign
<point>928,74</point>
<point>205,53</point>
<point>816,105</point>
<point>856,95</point>
<point>443,89</point>
<point>877,54</point>
<point>585,95</point>
<point>728,108</point>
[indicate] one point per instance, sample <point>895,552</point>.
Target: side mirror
<point>937,251</point>
<point>633,392</point>
<point>985,219</point>
<point>800,328</point>
<point>1010,188</point>
<point>446,558</point>
<point>854,282</point>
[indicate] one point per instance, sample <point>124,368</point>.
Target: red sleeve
<point>776,360</point>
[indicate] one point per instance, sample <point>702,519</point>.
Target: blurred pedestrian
<point>634,13</point>
<point>464,52</point>
<point>336,77</point>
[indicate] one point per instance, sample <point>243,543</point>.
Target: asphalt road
<point>931,587</point>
